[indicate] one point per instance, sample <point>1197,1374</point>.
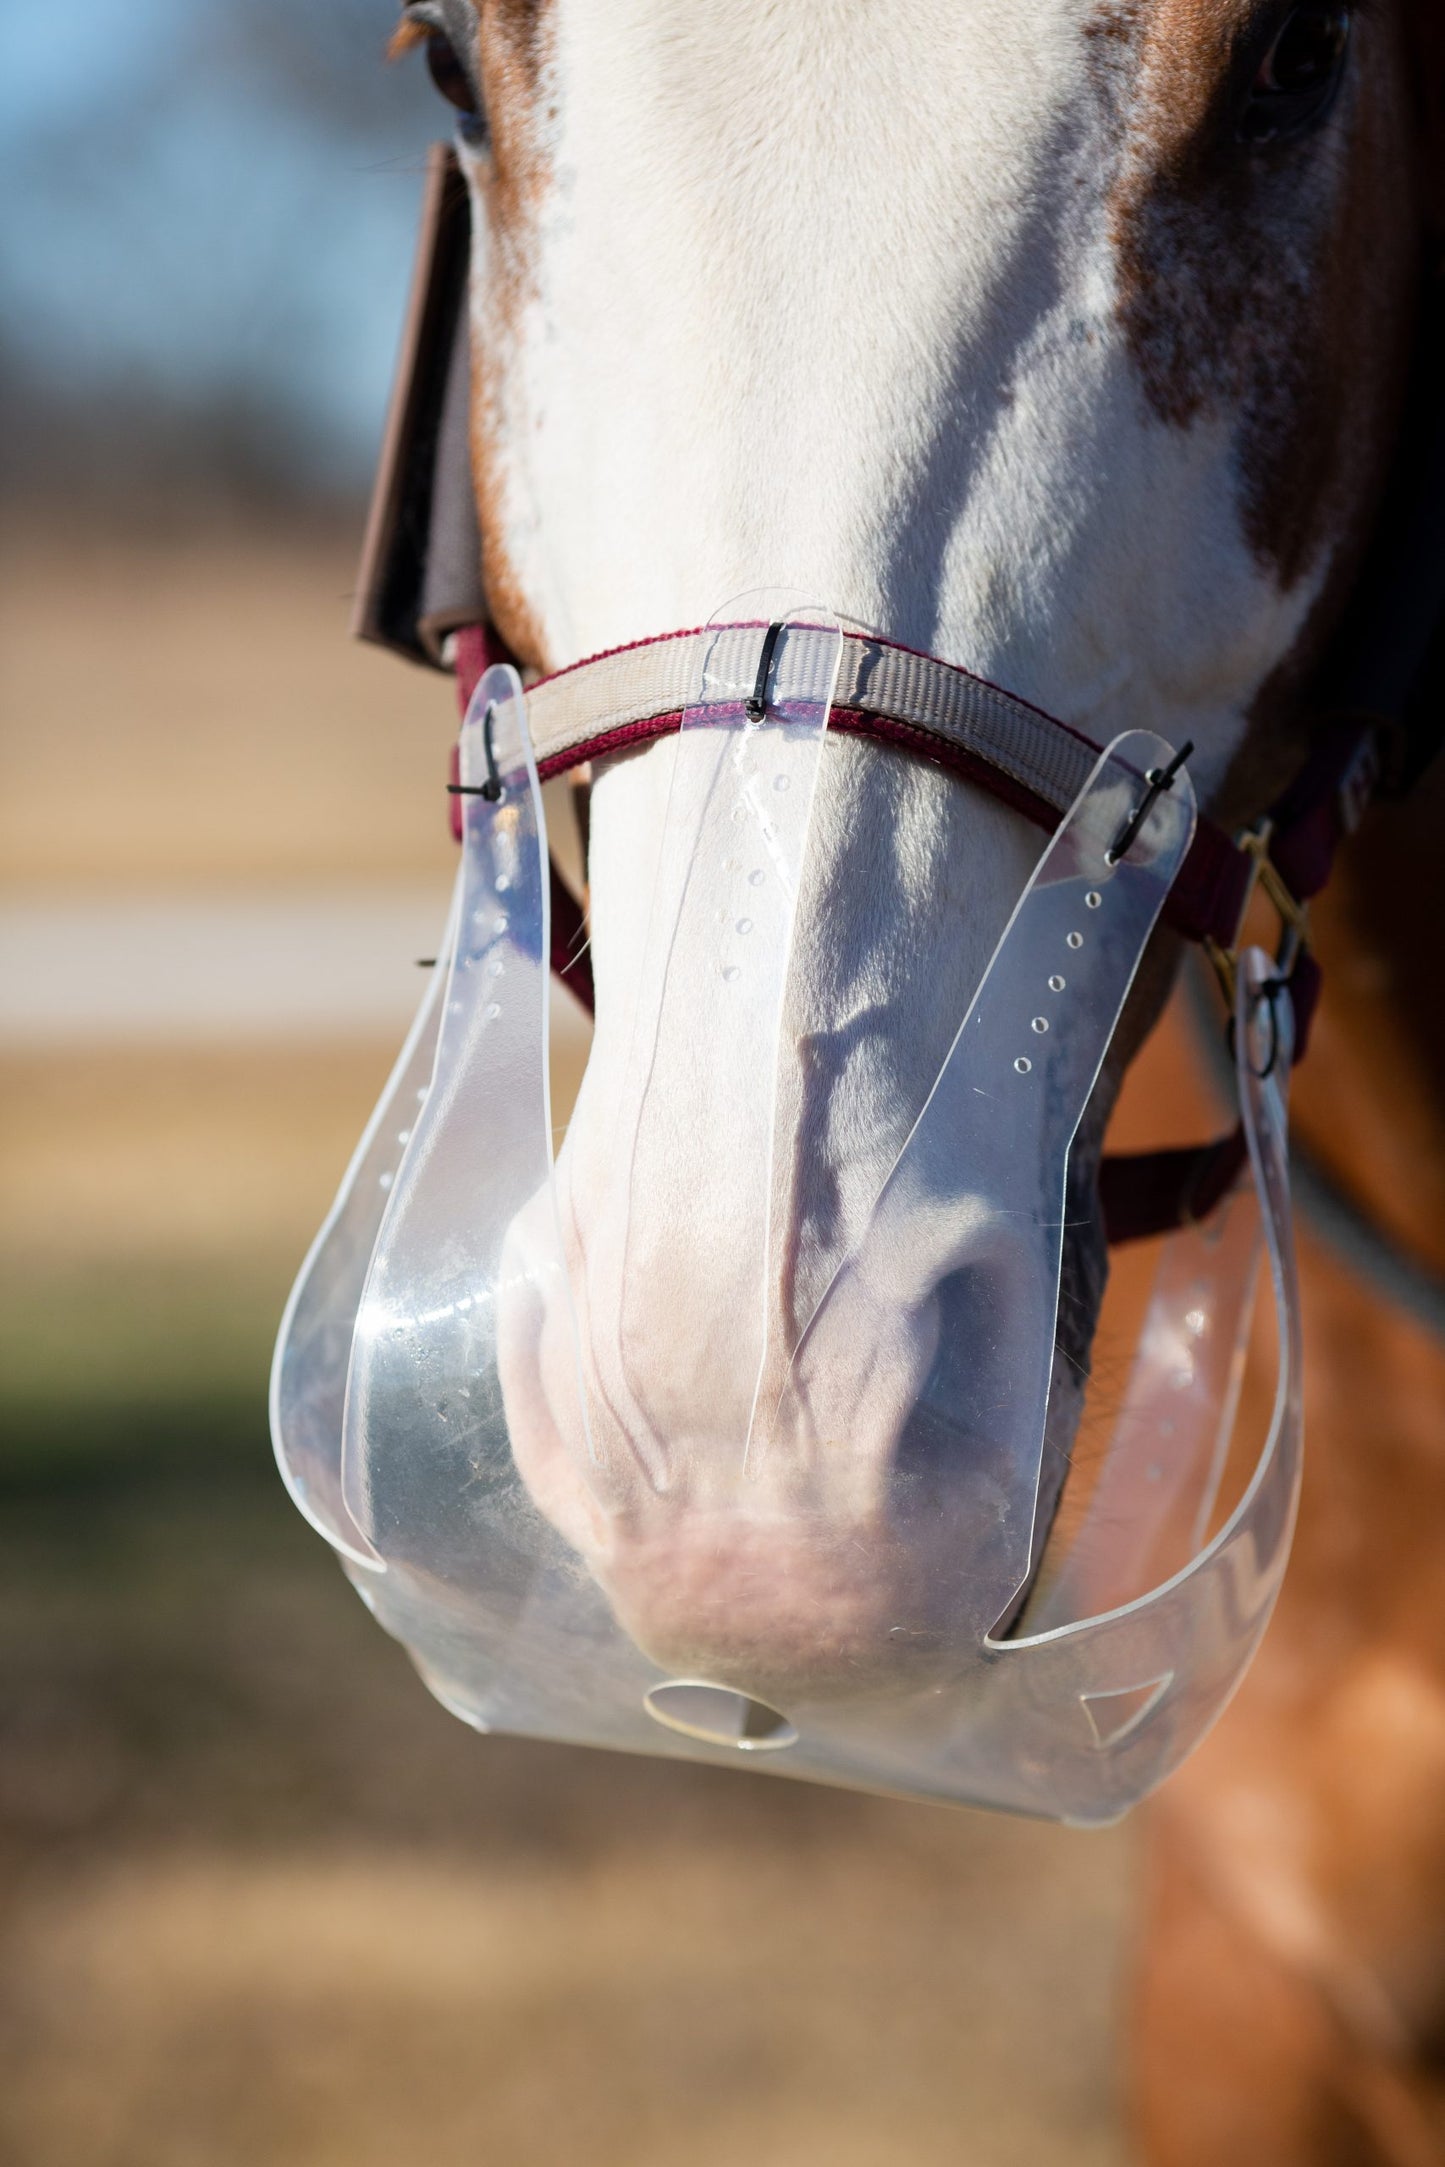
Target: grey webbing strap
<point>603,704</point>
<point>926,707</point>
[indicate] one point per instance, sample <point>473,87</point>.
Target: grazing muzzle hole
<point>719,1716</point>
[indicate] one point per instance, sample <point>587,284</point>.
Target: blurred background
<point>260,1899</point>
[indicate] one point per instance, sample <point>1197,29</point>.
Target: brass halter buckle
<point>1293,915</point>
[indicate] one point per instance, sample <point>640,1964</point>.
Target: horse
<point>1069,344</point>
<point>1291,1980</point>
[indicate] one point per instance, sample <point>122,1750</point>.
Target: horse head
<point>1066,343</point>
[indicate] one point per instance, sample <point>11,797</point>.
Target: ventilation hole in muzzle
<point>719,1716</point>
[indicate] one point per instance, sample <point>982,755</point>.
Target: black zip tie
<point>1159,779</point>
<point>491,789</point>
<point>757,706</point>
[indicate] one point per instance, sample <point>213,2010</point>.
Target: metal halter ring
<point>1269,994</point>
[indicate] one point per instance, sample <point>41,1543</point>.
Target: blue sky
<point>205,200</point>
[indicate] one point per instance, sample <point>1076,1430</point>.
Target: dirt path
<point>265,1903</point>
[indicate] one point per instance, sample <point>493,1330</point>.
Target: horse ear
<point>1425,40</point>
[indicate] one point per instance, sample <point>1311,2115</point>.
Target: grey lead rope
<point>1371,1254</point>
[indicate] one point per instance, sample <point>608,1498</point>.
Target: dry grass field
<point>262,1904</point>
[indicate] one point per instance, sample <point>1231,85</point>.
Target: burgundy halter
<point>1144,1193</point>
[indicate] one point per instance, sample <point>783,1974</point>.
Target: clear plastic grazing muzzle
<point>527,1476</point>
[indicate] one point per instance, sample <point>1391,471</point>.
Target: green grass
<point>103,1371</point>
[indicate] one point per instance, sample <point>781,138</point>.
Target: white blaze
<point>822,294</point>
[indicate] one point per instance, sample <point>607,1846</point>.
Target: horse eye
<point>450,77</point>
<point>1300,73</point>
